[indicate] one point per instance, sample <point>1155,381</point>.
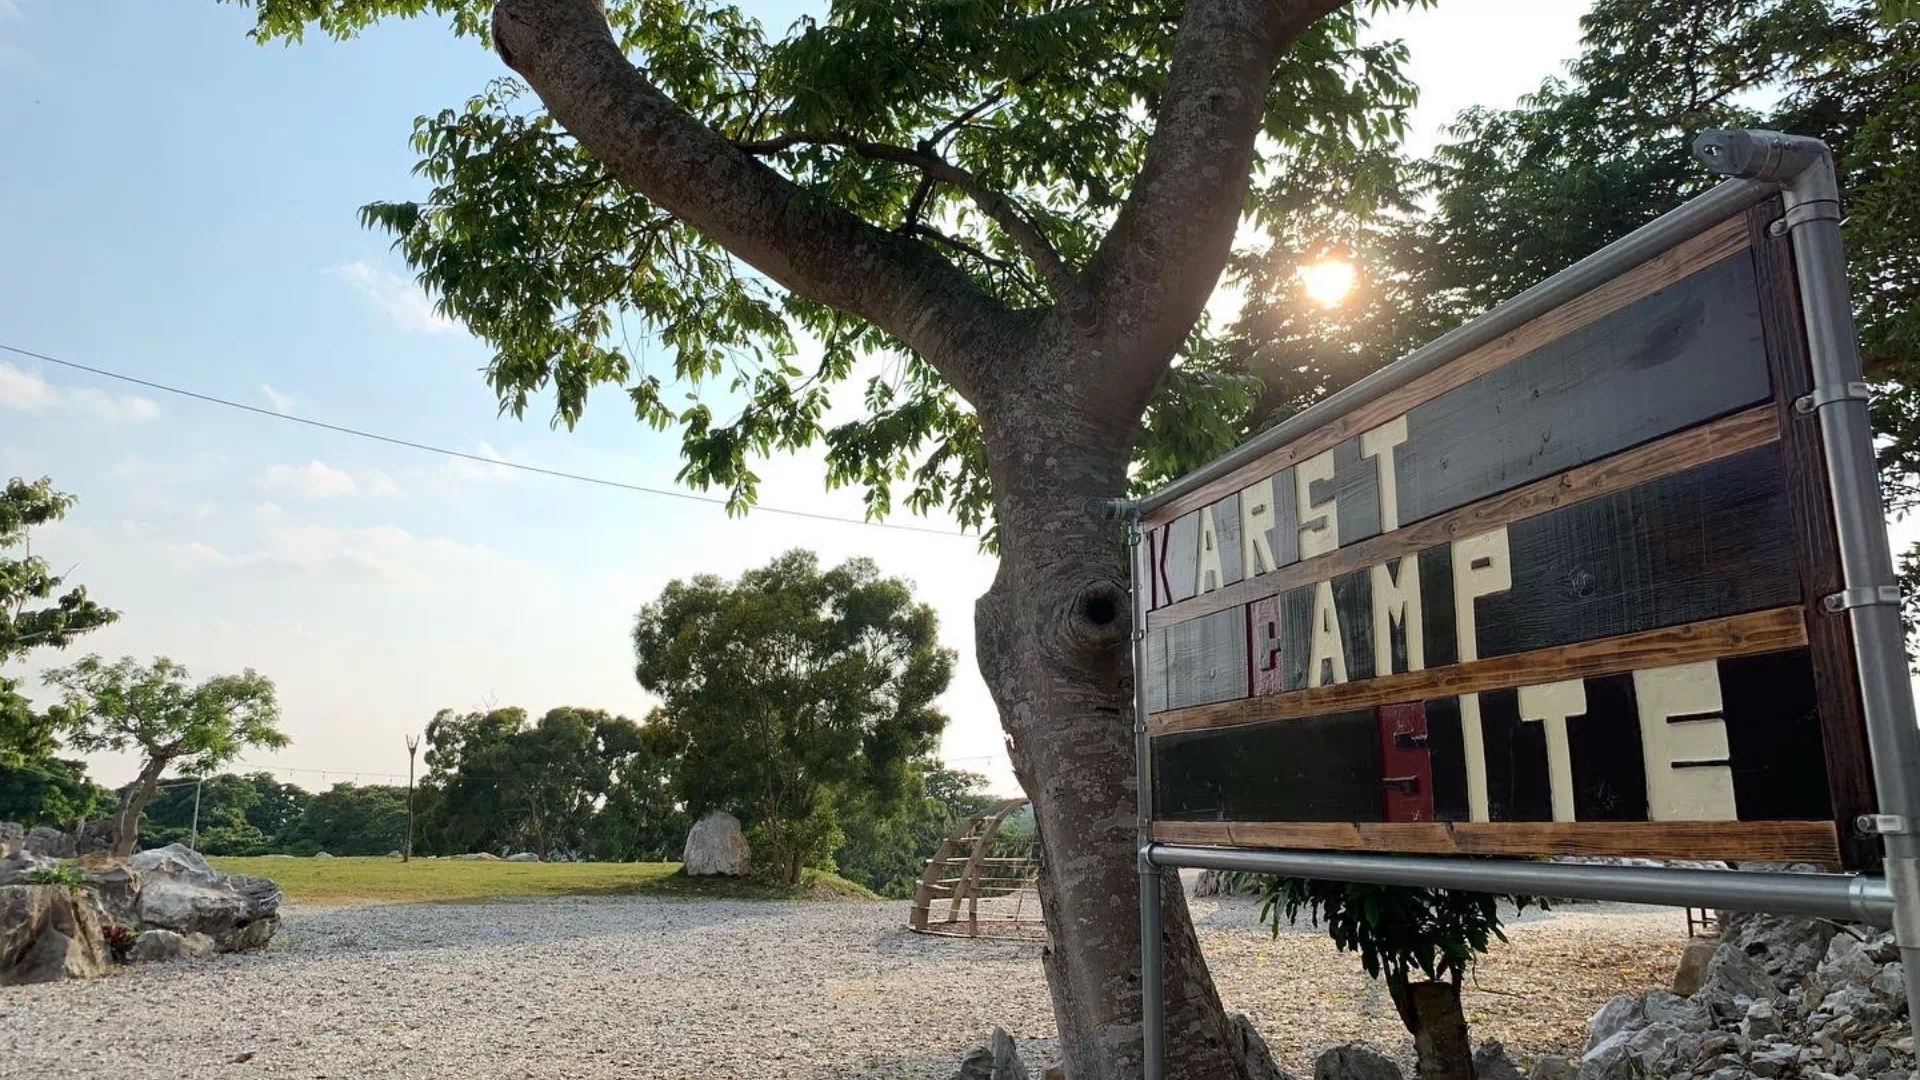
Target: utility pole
<point>413,745</point>
<point>194,841</point>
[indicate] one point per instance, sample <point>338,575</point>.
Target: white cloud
<point>9,9</point>
<point>380,554</point>
<point>23,390</point>
<point>282,403</point>
<point>319,480</point>
<point>468,469</point>
<point>403,301</point>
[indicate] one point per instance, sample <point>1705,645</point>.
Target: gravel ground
<point>650,989</point>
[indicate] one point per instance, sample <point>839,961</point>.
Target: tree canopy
<point>52,621</point>
<point>1001,135</point>
<point>152,710</point>
<point>781,688</point>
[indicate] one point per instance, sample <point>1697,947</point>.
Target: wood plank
<point>1657,273</point>
<point>1843,728</point>
<point>1696,446</point>
<point>1714,540</point>
<point>1678,358</point>
<point>1711,639</point>
<point>1758,841</point>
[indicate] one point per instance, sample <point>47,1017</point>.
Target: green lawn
<point>346,880</point>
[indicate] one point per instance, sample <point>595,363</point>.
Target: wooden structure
<point>981,883</point>
<point>1562,595</point>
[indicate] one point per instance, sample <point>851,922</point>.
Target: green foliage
<point>51,791</point>
<point>25,735</point>
<point>527,240</point>
<point>62,874</point>
<point>579,780</point>
<point>351,819</point>
<point>886,851</point>
<point>153,710</point>
<point>788,688</point>
<point>1399,932</point>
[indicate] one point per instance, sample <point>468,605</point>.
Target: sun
<point>1327,282</point>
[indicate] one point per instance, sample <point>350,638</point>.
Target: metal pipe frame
<point>1870,594</point>
<point>1849,897</point>
<point>1153,1012</point>
<point>1758,164</point>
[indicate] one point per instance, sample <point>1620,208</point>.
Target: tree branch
<point>1031,241</point>
<point>566,52</point>
<point>1156,269</point>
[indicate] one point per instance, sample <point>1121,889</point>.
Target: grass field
<point>349,880</point>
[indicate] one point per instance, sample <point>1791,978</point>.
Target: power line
<point>391,440</point>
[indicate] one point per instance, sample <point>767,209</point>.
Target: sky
<point>180,205</point>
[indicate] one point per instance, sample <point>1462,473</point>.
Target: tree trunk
<point>1053,636</point>
<point>1432,1013</point>
<point>126,824</point>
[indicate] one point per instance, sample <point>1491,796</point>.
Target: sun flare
<point>1327,282</point>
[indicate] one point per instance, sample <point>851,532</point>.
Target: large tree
<point>789,688</point>
<point>500,781</point>
<point>154,711</point>
<point>1027,201</point>
<point>34,611</point>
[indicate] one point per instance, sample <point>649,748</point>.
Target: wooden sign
<point>1558,596</point>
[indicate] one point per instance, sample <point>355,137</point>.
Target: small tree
<point>27,579</point>
<point>1400,933</point>
<point>790,686</point>
<point>153,710</point>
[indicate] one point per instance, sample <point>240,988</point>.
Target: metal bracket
<point>1881,824</point>
<point>1823,396</point>
<point>1861,596</point>
<point>1801,213</point>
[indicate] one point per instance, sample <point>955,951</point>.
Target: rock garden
<point>65,915</point>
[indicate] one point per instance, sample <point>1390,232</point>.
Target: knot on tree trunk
<point>1099,618</point>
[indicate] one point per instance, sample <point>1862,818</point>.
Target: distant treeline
<point>576,784</point>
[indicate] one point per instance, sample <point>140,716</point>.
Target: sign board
<point>1560,596</point>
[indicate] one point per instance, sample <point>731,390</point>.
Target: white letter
<point>1479,567</point>
<point>1327,645</point>
<point>1256,518</point>
<point>1379,444</point>
<point>1211,576</point>
<point>1319,525</point>
<point>1683,739</point>
<point>1397,602</point>
<point>1551,704</point>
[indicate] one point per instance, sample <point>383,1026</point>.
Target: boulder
<point>1691,972</point>
<point>1609,1059</point>
<point>1657,1048</point>
<point>160,946</point>
<point>1665,1007</point>
<point>1849,961</point>
<point>322,855</point>
<point>51,842</point>
<point>1490,1062</point>
<point>1787,947</point>
<point>394,855</point>
<point>13,837</point>
<point>479,856</point>
<point>1735,980</point>
<point>1762,1020</point>
<point>17,868</point>
<point>523,856</point>
<point>1354,1061</point>
<point>1260,1063</point>
<point>114,883</point>
<point>998,1060</point>
<point>49,932</point>
<point>1625,1011</point>
<point>180,892</point>
<point>1553,1067</point>
<point>715,845</point>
